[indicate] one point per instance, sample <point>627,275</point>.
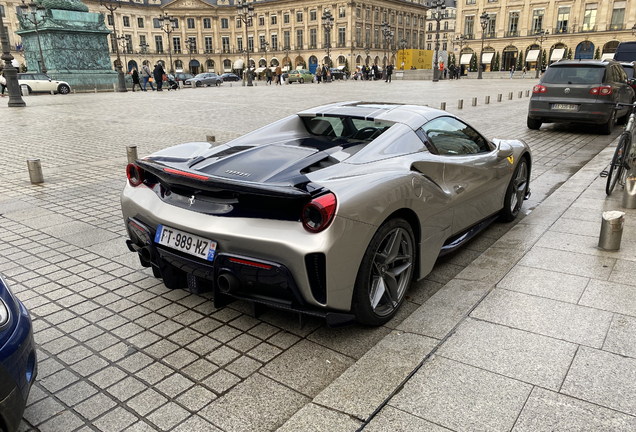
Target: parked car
<point>581,91</point>
<point>300,76</point>
<point>181,76</point>
<point>18,360</point>
<point>41,83</point>
<point>205,79</point>
<point>329,212</point>
<point>230,77</point>
<point>629,71</point>
<point>625,52</point>
<point>337,74</point>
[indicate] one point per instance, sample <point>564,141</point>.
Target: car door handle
<point>459,189</point>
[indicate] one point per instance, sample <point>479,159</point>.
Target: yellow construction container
<point>420,59</point>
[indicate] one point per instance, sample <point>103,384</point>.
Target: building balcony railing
<point>563,30</point>
<point>616,27</point>
<point>588,29</point>
<point>470,36</point>
<point>512,33</point>
<point>490,35</point>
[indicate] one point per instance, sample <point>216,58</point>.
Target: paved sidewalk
<point>537,334</point>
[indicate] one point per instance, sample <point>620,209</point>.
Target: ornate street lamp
<point>287,50</point>
<point>387,34</point>
<point>460,40</point>
<point>168,25</point>
<point>125,44</point>
<point>37,12</point>
<point>483,20</point>
<point>10,72</point>
<point>192,46</point>
<point>327,23</point>
<point>403,44</point>
<point>367,50</point>
<point>543,35</point>
<point>112,6</point>
<point>265,47</point>
<point>437,8</point>
<point>245,13</point>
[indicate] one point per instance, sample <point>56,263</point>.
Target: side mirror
<point>505,150</point>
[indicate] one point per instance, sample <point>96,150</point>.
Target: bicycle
<point>623,160</point>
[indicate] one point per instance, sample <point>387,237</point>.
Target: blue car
<point>18,361</point>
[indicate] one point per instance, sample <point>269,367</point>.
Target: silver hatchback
<point>581,91</point>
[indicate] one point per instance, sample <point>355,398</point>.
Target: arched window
<point>227,65</point>
<point>178,64</point>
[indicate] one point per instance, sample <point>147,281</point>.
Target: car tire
<point>216,84</point>
<point>63,89</point>
<point>301,81</point>
<point>516,192</point>
<point>534,124</point>
<point>607,128</point>
<point>385,273</point>
<point>198,84</point>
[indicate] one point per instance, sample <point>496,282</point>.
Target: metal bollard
<point>487,101</point>
<point>210,138</point>
<point>243,81</point>
<point>527,93</point>
<point>629,193</point>
<point>443,106</point>
<point>499,97</point>
<point>611,230</point>
<point>52,92</point>
<point>73,91</point>
<point>95,89</point>
<point>474,101</point>
<point>35,171</point>
<point>520,94</point>
<point>131,153</point>
<point>115,87</point>
<point>510,96</point>
<point>460,104</point>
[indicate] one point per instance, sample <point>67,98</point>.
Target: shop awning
<point>607,56</point>
<point>487,57</point>
<point>466,58</point>
<point>259,70</point>
<point>239,64</point>
<point>340,67</point>
<point>285,69</point>
<point>557,54</point>
<point>532,56</point>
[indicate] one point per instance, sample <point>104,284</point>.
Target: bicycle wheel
<point>618,165</point>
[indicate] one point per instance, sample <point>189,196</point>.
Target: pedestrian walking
<point>146,75</point>
<point>441,67</point>
<point>279,75</point>
<point>325,73</point>
<point>451,71</point>
<point>512,71</point>
<point>135,78</point>
<point>268,74</point>
<point>157,74</point>
<point>3,81</point>
<point>523,72</point>
<point>389,72</point>
<point>445,72</point>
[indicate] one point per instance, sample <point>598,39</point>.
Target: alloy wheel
<point>520,184</point>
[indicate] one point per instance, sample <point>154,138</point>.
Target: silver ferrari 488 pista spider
<point>330,212</point>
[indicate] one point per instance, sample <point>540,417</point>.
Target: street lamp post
<point>483,20</point>
<point>634,30</point>
<point>111,6</point>
<point>168,24</point>
<point>37,11</point>
<point>191,47</point>
<point>125,42</point>
<point>265,47</point>
<point>367,50</point>
<point>327,23</point>
<point>436,13</point>
<point>403,43</point>
<point>10,72</point>
<point>245,13</point>
<point>460,40</point>
<point>385,28</point>
<point>543,35</point>
<point>287,50</point>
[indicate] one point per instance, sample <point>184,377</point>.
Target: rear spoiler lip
<point>215,182</point>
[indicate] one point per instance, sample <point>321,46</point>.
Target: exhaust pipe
<point>146,254</point>
<point>228,282</point>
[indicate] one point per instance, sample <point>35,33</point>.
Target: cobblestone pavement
<point>117,350</point>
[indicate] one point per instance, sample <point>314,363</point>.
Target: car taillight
<point>603,91</point>
<point>539,89</point>
<point>134,174</point>
<point>318,214</point>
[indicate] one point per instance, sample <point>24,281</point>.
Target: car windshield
<point>629,70</point>
<point>201,75</point>
<point>574,75</point>
<point>345,127</point>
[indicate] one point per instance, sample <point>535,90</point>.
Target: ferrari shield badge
<point>510,159</point>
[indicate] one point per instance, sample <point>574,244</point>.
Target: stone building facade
<point>281,32</point>
<point>576,29</point>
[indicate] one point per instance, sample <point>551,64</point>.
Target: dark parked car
<point>581,91</point>
<point>629,71</point>
<point>181,76</point>
<point>337,74</point>
<point>625,52</point>
<point>18,361</point>
<point>230,77</point>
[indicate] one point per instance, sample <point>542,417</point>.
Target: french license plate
<point>566,107</point>
<point>185,242</point>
